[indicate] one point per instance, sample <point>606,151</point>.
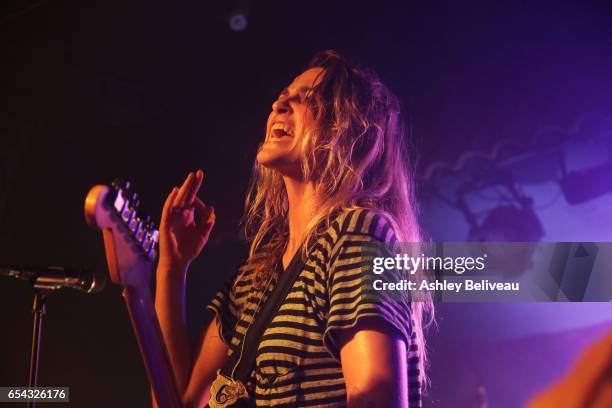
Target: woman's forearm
<point>170,309</point>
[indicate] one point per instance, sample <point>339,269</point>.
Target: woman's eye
<point>307,97</point>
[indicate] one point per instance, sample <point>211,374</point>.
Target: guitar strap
<point>252,339</point>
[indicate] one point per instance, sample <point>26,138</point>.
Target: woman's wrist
<point>173,270</point>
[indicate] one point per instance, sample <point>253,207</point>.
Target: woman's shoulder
<point>370,222</point>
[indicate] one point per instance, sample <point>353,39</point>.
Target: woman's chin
<point>279,161</point>
<point>272,156</point>
<point>267,158</point>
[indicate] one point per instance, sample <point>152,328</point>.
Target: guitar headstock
<point>130,237</point>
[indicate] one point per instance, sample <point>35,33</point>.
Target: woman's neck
<point>301,197</point>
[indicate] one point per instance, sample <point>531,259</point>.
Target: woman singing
<point>330,176</point>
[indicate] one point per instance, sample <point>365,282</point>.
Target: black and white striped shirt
<point>298,359</point>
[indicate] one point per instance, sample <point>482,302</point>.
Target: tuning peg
<point>123,189</point>
<point>134,223</point>
<point>127,214</point>
<point>134,199</point>
<point>150,224</point>
<point>117,183</point>
<point>152,251</point>
<point>121,184</point>
<point>140,231</point>
<point>147,240</point>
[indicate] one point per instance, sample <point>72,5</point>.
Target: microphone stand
<point>39,308</point>
<point>43,285</point>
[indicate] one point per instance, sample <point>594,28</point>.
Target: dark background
<point>151,90</point>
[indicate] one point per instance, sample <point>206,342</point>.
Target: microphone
<point>56,277</point>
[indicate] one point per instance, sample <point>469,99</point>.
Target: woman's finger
<point>168,204</point>
<point>207,216</point>
<point>179,201</point>
<point>194,187</point>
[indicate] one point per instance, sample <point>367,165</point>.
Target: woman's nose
<point>281,105</point>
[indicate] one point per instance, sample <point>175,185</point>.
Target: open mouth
<point>279,130</point>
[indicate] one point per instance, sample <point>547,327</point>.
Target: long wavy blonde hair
<point>355,155</point>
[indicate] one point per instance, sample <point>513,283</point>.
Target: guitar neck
<point>148,334</point>
<point>130,243</point>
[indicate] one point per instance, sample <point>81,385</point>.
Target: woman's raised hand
<point>181,238</point>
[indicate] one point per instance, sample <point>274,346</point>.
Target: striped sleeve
<point>362,236</point>
<point>225,307</point>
